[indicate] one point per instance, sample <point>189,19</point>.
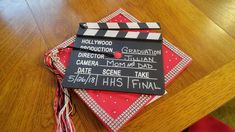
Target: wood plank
<point>43,24</point>
<point>182,23</point>
<point>188,33</point>
<point>190,104</point>
<point>24,84</point>
<point>27,87</point>
<point>191,31</point>
<point>222,12</point>
<point>56,20</point>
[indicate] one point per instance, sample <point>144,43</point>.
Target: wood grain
<point>29,28</point>
<point>27,89</point>
<point>222,12</point>
<point>190,104</point>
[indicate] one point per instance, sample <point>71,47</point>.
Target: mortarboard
<point>113,109</point>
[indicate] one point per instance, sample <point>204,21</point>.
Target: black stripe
<point>76,42</point>
<point>83,25</point>
<point>143,25</point>
<point>121,34</point>
<point>122,25</point>
<point>103,25</point>
<point>160,37</point>
<point>142,35</point>
<point>101,33</point>
<point>80,31</point>
<point>159,25</point>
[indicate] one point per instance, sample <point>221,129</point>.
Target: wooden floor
<point>204,29</point>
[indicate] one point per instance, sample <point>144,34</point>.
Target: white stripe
<point>154,36</point>
<point>112,25</point>
<point>152,25</point>
<point>132,25</point>
<point>92,25</point>
<point>110,33</point>
<point>90,32</point>
<point>132,35</point>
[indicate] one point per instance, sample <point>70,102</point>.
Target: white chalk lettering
<point>131,64</point>
<point>91,55</point>
<point>126,50</point>
<point>71,78</point>
<point>142,74</point>
<point>113,63</point>
<point>97,42</point>
<point>147,66</point>
<point>87,62</point>
<point>83,70</point>
<point>117,64</point>
<point>136,83</point>
<point>112,82</point>
<point>111,72</point>
<point>139,58</point>
<point>97,49</point>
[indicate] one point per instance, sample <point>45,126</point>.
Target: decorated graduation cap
<point>105,57</point>
<point>113,109</point>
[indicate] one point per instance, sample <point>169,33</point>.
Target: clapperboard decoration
<point>105,58</point>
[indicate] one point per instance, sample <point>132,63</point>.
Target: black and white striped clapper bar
<point>112,30</point>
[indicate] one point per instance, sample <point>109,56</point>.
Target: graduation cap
<point>106,57</point>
